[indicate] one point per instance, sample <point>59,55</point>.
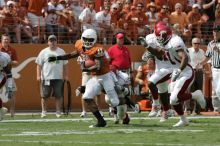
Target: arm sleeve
<point>209,51</point>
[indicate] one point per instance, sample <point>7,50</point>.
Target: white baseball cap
<point>10,2</point>
<point>196,6</point>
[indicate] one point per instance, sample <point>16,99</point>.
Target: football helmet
<point>163,32</point>
<point>89,38</point>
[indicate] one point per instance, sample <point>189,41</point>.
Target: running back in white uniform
<point>186,76</point>
<point>163,67</point>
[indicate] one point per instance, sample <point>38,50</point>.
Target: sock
<point>98,116</point>
<point>165,102</point>
<point>179,109</point>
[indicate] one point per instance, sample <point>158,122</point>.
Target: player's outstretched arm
<point>74,54</point>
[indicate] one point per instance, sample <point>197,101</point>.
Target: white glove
<point>175,74</point>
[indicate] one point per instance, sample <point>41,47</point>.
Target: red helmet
<point>162,32</point>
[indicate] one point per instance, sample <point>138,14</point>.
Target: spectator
<point>178,16</point>
<point>130,25</point>
<point>172,4</point>
<point>66,24</point>
<point>120,5</point>
<point>51,75</point>
<point>152,14</point>
<point>103,25</point>
<point>176,29</point>
<point>115,18</point>
<point>213,53</point>
<point>126,8</point>
<point>87,17</point>
<point>194,19</point>
<point>76,8</point>
<point>143,20</point>
<point>25,25</point>
<point>5,47</point>
<point>35,15</point>
<point>54,11</point>
<point>10,22</point>
<point>144,2</point>
<point>209,7</point>
<point>106,3</point>
<point>196,55</point>
<point>164,14</point>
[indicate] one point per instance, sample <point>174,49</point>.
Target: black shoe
<point>99,124</point>
<point>126,120</point>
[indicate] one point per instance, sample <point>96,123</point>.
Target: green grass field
<point>31,130</point>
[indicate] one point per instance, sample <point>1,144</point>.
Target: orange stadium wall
<point>28,97</point>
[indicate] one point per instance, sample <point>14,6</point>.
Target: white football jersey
<point>4,60</point>
<point>175,44</point>
<point>151,40</point>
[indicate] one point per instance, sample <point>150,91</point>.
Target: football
<point>89,63</point>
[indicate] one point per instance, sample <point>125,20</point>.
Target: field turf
<point>31,130</point>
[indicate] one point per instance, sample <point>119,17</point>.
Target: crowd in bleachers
<point>31,21</point>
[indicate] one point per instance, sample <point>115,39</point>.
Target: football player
<point>5,74</point>
<point>158,82</point>
<point>103,79</point>
<point>174,50</point>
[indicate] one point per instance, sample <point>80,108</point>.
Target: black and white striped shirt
<point>213,54</point>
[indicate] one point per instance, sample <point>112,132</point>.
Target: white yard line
<point>93,143</point>
<point>89,119</point>
<point>97,131</point>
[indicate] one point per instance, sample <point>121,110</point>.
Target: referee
<point>213,53</point>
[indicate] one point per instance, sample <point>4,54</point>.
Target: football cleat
<point>182,123</point>
<point>3,111</point>
<point>43,114</point>
<point>83,115</point>
<point>154,111</point>
<point>58,115</point>
<point>99,124</point>
<point>199,97</point>
<point>159,113</point>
